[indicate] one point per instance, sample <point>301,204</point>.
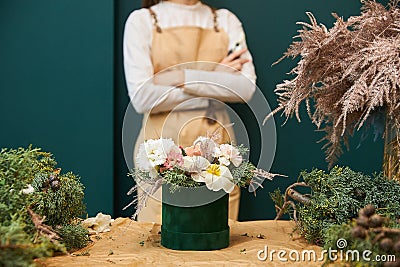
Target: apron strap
<point>155,20</point>
<point>214,11</point>
<point>158,28</point>
<point>211,115</point>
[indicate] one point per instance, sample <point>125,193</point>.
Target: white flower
<point>195,164</point>
<point>99,224</point>
<point>227,153</point>
<point>216,177</point>
<point>153,153</point>
<point>28,190</point>
<point>142,161</point>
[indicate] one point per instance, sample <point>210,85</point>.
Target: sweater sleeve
<point>145,96</point>
<point>225,86</point>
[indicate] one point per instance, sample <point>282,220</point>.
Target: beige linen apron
<point>174,46</point>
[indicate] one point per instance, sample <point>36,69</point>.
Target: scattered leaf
<point>83,253</point>
<point>261,236</point>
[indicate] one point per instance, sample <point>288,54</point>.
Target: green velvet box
<point>194,219</point>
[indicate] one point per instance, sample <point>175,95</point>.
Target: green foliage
<point>17,249</point>
<point>370,242</point>
<point>74,236</point>
<point>58,197</point>
<point>243,150</point>
<point>243,173</point>
<point>337,196</point>
<point>279,199</point>
<point>17,170</point>
<point>177,178</point>
<point>19,166</point>
<point>62,204</point>
<point>343,231</point>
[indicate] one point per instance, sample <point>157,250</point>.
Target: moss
<point>74,236</point>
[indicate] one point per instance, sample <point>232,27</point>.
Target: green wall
<point>63,89</point>
<point>56,87</point>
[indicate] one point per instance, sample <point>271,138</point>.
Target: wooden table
<point>130,243</point>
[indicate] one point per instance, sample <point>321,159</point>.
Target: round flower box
<point>194,219</point>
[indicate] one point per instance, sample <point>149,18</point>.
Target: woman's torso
<point>197,39</point>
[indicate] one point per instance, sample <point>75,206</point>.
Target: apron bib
<point>177,45</point>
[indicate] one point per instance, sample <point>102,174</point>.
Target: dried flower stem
<point>290,192</point>
<point>345,73</point>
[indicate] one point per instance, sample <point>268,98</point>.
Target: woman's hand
<point>233,62</point>
<point>169,78</point>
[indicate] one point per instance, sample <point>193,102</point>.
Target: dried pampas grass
<point>345,73</point>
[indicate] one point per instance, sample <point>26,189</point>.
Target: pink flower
<point>174,158</point>
<point>166,166</point>
<point>193,150</point>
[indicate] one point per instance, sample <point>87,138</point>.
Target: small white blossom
<point>28,190</point>
<point>227,153</point>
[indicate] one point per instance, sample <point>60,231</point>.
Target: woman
<point>182,42</point>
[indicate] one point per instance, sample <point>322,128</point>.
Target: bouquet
<point>217,166</point>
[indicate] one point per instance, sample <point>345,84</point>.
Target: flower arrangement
<point>347,75</point>
<point>217,166</point>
